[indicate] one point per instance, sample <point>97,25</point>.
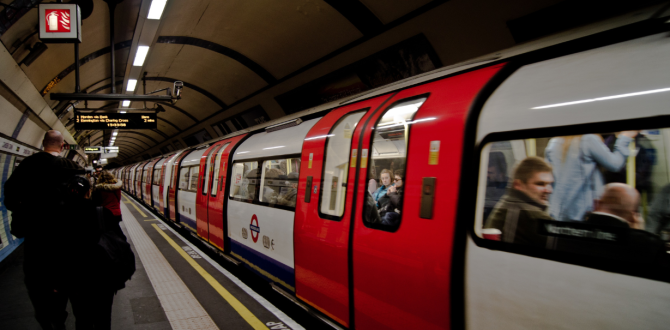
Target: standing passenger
<point>33,193</point>
<point>579,182</point>
<point>107,193</point>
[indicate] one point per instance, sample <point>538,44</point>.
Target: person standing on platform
<point>33,193</point>
<point>107,193</point>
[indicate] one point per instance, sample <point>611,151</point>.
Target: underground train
<point>292,199</point>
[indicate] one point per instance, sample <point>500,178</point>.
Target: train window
<point>336,167</point>
<point>194,178</point>
<point>217,166</point>
<point>244,181</point>
<point>208,170</point>
<point>601,195</point>
<point>183,178</point>
<point>279,182</point>
<point>388,154</point>
<point>157,176</point>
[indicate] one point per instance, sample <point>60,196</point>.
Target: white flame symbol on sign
<point>65,20</point>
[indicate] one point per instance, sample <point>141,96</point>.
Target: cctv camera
<point>178,85</point>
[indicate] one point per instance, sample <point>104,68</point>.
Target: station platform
<point>176,286</point>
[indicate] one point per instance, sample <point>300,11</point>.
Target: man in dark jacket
<point>32,194</point>
<point>517,213</point>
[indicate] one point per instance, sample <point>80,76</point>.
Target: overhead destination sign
<point>95,121</point>
<point>101,150</point>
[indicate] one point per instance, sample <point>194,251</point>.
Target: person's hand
<point>630,134</point>
<point>391,189</point>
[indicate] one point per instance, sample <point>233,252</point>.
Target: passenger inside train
<point>587,178</point>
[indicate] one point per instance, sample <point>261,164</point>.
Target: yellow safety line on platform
<point>151,219</point>
<point>236,304</point>
<point>135,206</point>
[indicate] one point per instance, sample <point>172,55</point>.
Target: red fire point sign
<point>57,20</point>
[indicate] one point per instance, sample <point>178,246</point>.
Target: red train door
<point>149,181</point>
<point>322,220</point>
<point>172,192</point>
<point>216,197</point>
<point>202,194</point>
<point>402,253</point>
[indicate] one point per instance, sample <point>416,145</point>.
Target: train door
<point>216,200</point>
<point>403,229</point>
<point>322,219</point>
<point>173,191</point>
<point>187,188</point>
<point>166,169</point>
<point>262,200</point>
<point>138,180</point>
<point>156,184</point>
<point>131,180</point>
<point>588,242</point>
<point>148,181</point>
<point>206,168</point>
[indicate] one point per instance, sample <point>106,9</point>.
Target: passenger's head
<point>79,187</point>
<point>53,141</point>
<point>623,201</point>
<point>385,177</point>
<point>497,170</point>
<point>399,178</point>
<point>534,178</point>
<point>107,177</point>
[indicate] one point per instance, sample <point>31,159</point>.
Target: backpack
<point>119,260</point>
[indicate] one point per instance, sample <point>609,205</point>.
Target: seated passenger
<point>379,196</point>
<point>370,212</point>
<point>618,207</point>
<point>289,197</point>
<point>390,213</point>
<point>246,191</point>
<point>496,181</point>
<point>526,202</point>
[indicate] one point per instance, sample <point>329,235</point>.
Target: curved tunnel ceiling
<point>226,53</point>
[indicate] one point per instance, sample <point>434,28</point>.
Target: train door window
<point>388,154</point>
<point>194,178</point>
<point>279,182</point>
<point>208,166</point>
<point>183,178</point>
<point>157,176</point>
<point>244,181</point>
<point>217,165</point>
<point>603,195</point>
<point>336,167</point>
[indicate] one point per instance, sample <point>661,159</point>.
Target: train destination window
<point>244,180</point>
<point>217,166</point>
<point>183,178</point>
<point>386,176</point>
<point>279,182</point>
<point>605,196</point>
<point>336,166</point>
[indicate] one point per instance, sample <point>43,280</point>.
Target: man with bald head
<point>32,194</point>
<point>618,206</point>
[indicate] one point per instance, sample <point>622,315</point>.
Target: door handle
<point>427,198</point>
<point>308,190</point>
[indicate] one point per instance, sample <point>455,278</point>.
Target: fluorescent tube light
<point>156,9</point>
<point>131,85</point>
<point>122,112</point>
<point>141,55</point>
<point>604,98</point>
<point>125,104</point>
<point>115,133</point>
<point>273,147</point>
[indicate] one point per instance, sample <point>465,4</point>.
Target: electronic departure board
<point>115,121</point>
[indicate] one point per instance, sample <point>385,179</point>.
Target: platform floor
<point>176,286</point>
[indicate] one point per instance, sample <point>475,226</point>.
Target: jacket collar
<point>520,196</point>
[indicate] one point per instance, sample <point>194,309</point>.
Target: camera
<point>176,91</point>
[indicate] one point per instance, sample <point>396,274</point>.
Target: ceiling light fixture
<point>273,147</point>
<point>141,55</point>
<point>132,83</point>
<point>156,9</point>
<point>604,98</point>
<point>125,104</point>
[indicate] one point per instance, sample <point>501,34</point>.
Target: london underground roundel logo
<point>255,229</point>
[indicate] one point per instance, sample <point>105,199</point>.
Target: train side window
<point>157,176</point>
<point>194,178</point>
<point>244,181</point>
<point>605,196</point>
<point>183,178</point>
<point>388,154</point>
<point>336,167</point>
<point>279,182</point>
<point>217,165</point>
